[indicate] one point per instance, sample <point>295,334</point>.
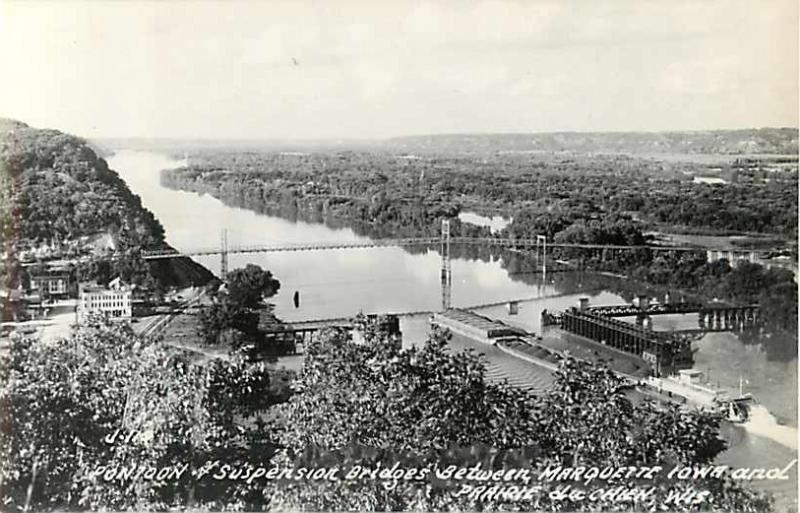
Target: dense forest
<point>62,190</point>
<point>56,193</point>
<point>409,193</point>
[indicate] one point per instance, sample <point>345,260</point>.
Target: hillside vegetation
<point>61,190</point>
<point>56,193</point>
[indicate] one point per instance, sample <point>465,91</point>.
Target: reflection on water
<point>342,282</point>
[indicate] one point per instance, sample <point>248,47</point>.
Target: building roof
<point>116,283</point>
<point>94,288</point>
<point>50,275</point>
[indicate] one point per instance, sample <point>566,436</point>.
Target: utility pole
<point>78,282</point>
<point>446,274</point>
<point>223,266</point>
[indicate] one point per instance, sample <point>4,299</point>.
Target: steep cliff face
<point>58,195</point>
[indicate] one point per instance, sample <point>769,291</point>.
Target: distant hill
<point>720,142</point>
<point>717,142</point>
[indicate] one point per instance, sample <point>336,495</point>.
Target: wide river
<point>339,283</point>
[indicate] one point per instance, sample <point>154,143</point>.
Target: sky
<point>352,69</point>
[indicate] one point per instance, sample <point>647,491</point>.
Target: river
<point>338,283</point>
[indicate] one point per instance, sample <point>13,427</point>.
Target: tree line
<point>387,189</point>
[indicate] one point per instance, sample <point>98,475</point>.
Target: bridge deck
<point>415,241</point>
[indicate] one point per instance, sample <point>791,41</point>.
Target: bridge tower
<point>223,265</point>
<point>543,240</point>
<point>446,274</point>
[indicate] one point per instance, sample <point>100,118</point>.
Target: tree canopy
<point>59,189</point>
<point>233,317</point>
<point>382,194</point>
<point>428,402</point>
<point>106,398</point>
<point>249,286</point>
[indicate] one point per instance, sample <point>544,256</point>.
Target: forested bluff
<point>59,198</point>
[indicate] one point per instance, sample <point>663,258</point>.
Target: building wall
<point>52,285</point>
<point>117,304</point>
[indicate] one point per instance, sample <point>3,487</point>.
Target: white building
<point>116,301</point>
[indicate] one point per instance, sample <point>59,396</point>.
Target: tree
<point>249,286</point>
<point>63,190</point>
<point>212,288</point>
<point>65,402</point>
<point>778,304</point>
<point>589,420</point>
<point>226,318</point>
<point>232,318</point>
<point>54,414</point>
<point>414,400</point>
<point>437,406</point>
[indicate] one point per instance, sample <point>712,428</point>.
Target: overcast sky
<point>332,69</point>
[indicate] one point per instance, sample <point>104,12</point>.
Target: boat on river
<point>687,389</point>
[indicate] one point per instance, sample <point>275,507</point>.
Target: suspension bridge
<point>539,244</point>
<point>422,241</point>
<point>665,351</point>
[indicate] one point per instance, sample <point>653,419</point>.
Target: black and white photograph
<point>407,256</point>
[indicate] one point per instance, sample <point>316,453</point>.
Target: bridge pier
<point>734,318</point>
